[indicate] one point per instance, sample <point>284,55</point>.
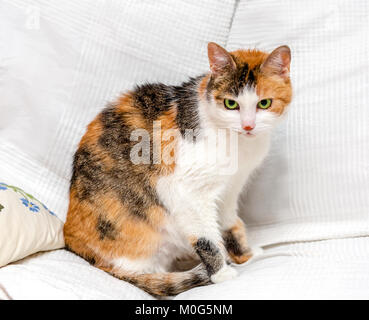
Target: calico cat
<point>133,218</point>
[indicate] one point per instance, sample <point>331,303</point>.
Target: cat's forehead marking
<point>247,76</point>
<point>248,64</point>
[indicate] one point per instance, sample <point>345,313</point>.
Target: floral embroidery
<point>26,199</point>
<point>3,186</point>
<point>1,207</point>
<point>34,207</point>
<point>30,205</point>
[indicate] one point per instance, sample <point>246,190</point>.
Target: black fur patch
<point>246,77</point>
<point>105,228</point>
<point>243,77</point>
<point>169,290</point>
<point>209,255</point>
<point>152,100</point>
<point>116,134</point>
<point>133,188</point>
<point>195,280</point>
<point>130,182</point>
<point>88,171</point>
<point>185,97</point>
<point>90,260</point>
<point>231,244</point>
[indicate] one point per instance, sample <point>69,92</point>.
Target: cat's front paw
<point>224,274</point>
<point>246,256</point>
<point>241,258</point>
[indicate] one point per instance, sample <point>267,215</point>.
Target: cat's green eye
<point>230,104</point>
<point>265,103</point>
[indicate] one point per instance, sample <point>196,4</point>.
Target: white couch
<point>308,207</point>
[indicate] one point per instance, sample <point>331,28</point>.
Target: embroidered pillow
<point>26,225</point>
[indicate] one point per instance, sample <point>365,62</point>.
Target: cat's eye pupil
<point>264,104</point>
<point>231,104</point>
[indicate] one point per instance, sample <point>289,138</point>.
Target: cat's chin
<point>248,135</point>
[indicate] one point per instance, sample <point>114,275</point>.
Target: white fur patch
<point>137,266</point>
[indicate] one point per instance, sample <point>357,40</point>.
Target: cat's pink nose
<point>249,127</point>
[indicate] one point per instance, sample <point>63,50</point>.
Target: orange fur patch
<point>203,85</point>
<point>252,57</point>
<point>135,239</point>
<point>93,133</point>
<point>277,89</point>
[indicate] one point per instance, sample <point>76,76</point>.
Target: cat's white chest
<point>195,173</point>
<point>200,175</point>
<point>195,186</point>
<point>251,153</point>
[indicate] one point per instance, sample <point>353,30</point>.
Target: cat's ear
<point>278,62</point>
<point>220,59</point>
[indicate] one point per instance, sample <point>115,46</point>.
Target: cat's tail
<point>165,284</point>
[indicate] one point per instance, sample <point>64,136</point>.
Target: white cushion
<point>26,225</point>
<point>315,182</point>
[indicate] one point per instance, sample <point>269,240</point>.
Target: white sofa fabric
<point>308,206</point>
<point>326,269</point>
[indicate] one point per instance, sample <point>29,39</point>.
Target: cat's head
<point>248,90</point>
